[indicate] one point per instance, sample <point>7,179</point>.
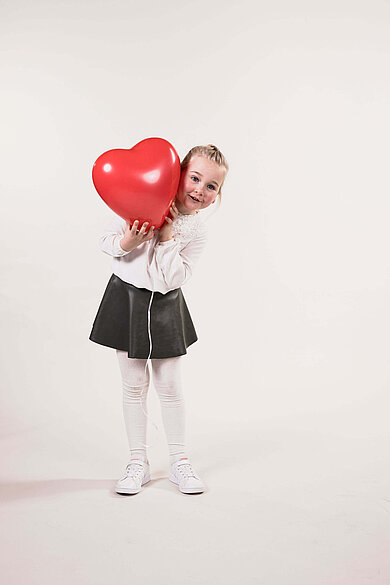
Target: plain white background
<point>287,387</point>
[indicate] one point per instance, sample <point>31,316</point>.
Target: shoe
<point>137,474</point>
<point>184,476</point>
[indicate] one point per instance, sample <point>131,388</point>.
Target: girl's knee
<point>133,392</point>
<point>171,400</point>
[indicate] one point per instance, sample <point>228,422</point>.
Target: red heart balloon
<point>139,182</point>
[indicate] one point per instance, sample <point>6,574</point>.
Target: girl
<point>143,314</point>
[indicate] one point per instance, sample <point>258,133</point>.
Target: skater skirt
<point>136,320</point>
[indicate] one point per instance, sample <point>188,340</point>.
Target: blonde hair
<point>211,152</point>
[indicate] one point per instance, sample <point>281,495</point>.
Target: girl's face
<point>199,185</point>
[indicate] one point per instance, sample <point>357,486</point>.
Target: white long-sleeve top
<point>154,265</point>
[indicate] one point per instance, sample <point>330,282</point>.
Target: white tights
<point>167,381</point>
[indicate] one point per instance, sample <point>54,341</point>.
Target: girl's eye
<point>195,178</point>
<point>212,187</point>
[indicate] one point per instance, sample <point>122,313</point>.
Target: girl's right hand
<point>133,238</point>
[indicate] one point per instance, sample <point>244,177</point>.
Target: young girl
<point>143,314</point>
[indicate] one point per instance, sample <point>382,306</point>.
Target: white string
<point>149,333</point>
<point>147,360</point>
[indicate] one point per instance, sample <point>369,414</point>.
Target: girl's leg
<point>167,381</point>
<point>134,381</point>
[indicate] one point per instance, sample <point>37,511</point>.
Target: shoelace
<point>134,470</point>
<point>186,470</point>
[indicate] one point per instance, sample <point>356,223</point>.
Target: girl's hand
<point>166,228</point>
<point>132,239</point>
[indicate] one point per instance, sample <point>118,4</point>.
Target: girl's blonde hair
<point>212,153</point>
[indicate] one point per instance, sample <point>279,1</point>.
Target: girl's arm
<point>175,266</point>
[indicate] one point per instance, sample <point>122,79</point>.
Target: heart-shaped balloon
<point>139,182</point>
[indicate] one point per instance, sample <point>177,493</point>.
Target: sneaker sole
<point>187,490</point>
<point>124,490</point>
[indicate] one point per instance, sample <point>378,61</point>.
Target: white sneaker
<point>137,474</point>
<point>184,476</point>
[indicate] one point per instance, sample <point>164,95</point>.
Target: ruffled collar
<point>185,226</point>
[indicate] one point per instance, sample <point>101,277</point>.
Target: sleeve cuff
<point>118,248</point>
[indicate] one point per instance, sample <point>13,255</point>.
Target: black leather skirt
<point>122,321</point>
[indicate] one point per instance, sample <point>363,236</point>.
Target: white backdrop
<point>290,298</point>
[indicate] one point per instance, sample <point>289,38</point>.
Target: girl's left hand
<point>166,229</point>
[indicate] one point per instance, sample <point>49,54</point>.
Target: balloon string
<point>147,360</point>
<point>150,337</point>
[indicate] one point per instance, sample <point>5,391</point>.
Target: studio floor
<point>287,503</point>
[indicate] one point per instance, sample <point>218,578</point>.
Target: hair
<point>211,152</point>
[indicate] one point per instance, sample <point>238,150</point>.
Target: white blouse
<point>154,265</point>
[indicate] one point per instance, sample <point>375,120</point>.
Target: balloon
<point>139,182</point>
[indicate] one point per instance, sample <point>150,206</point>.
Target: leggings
<point>167,381</point>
